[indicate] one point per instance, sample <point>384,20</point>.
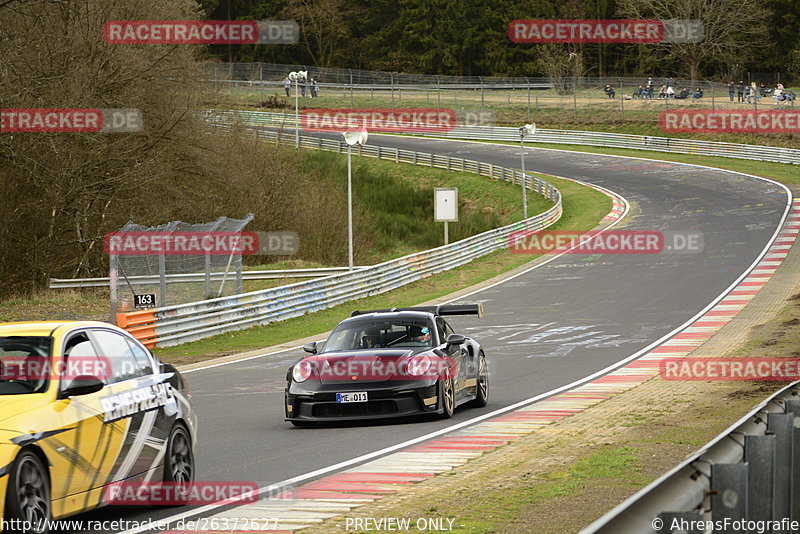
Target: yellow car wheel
<point>28,496</point>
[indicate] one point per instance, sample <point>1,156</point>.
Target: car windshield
<point>367,335</point>
<point>23,364</point>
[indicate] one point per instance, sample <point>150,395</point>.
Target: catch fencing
<point>172,325</point>
<point>746,478</point>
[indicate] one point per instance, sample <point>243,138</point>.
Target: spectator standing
<point>740,91</point>
<point>287,85</point>
<point>314,88</point>
<point>731,90</point>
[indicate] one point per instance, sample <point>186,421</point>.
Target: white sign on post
<point>445,207</point>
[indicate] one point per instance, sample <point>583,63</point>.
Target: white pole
<point>524,180</point>
<point>349,209</point>
<point>296,114</point>
<point>446,234</point>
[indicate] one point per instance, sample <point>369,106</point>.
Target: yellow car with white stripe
<point>84,405</point>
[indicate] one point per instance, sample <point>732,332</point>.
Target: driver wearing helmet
<point>419,334</point>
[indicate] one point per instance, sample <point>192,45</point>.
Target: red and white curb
<point>337,494</point>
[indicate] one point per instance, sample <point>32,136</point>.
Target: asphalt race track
<point>551,326</point>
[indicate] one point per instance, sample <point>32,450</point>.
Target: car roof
<point>390,316</point>
<point>45,328</point>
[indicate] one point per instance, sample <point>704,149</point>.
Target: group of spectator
<point>752,93</point>
<point>744,93</point>
<point>311,84</point>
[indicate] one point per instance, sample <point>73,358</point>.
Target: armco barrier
<point>742,480</point>
<point>173,325</point>
<point>576,137</point>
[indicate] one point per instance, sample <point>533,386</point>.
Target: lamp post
<point>528,129</point>
<point>353,136</point>
<point>296,77</point>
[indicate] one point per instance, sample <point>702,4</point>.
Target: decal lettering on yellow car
<point>137,400</point>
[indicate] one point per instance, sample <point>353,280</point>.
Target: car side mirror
<point>311,348</point>
<point>83,385</point>
<point>456,339</point>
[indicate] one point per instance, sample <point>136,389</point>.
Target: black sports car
<point>389,363</point>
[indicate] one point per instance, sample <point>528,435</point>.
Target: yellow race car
<point>84,405</point>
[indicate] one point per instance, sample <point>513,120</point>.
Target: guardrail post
<point>448,163</point>
<point>378,151</point>
<point>759,453</point>
<point>688,518</point>
<point>397,155</point>
<point>339,145</point>
<point>414,158</point>
<point>793,407</point>
<point>162,279</point>
<point>781,425</point>
<point>728,492</point>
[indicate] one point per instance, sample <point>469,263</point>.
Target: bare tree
<point>562,64</point>
<point>731,30</point>
<point>323,27</point>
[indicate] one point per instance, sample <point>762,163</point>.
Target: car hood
<point>12,406</point>
<point>362,365</point>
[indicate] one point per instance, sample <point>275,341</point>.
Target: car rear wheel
<point>448,397</point>
<point>28,498</point>
<point>482,393</point>
<point>179,463</point>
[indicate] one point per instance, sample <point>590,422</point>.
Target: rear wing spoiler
<point>441,309</point>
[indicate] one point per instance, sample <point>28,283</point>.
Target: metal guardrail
<point>577,137</point>
<point>317,272</point>
<point>173,325</point>
<point>749,474</point>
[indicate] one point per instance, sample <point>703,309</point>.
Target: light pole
<point>296,77</point>
<point>353,136</point>
<point>528,129</point>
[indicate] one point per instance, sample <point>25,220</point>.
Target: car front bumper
<point>317,401</point>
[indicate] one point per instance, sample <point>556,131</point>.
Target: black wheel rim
<point>483,378</point>
<point>181,461</point>
<point>32,493</point>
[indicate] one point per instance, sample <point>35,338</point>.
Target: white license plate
<point>361,396</point>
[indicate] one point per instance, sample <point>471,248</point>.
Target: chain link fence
<point>262,85</point>
<point>144,260</point>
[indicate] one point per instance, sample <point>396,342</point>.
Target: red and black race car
<point>389,363</point>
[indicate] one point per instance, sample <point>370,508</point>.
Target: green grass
<point>397,201</point>
<point>618,465</point>
<point>583,209</point>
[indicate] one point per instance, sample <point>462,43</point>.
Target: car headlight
<point>419,365</point>
<point>301,371</point>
